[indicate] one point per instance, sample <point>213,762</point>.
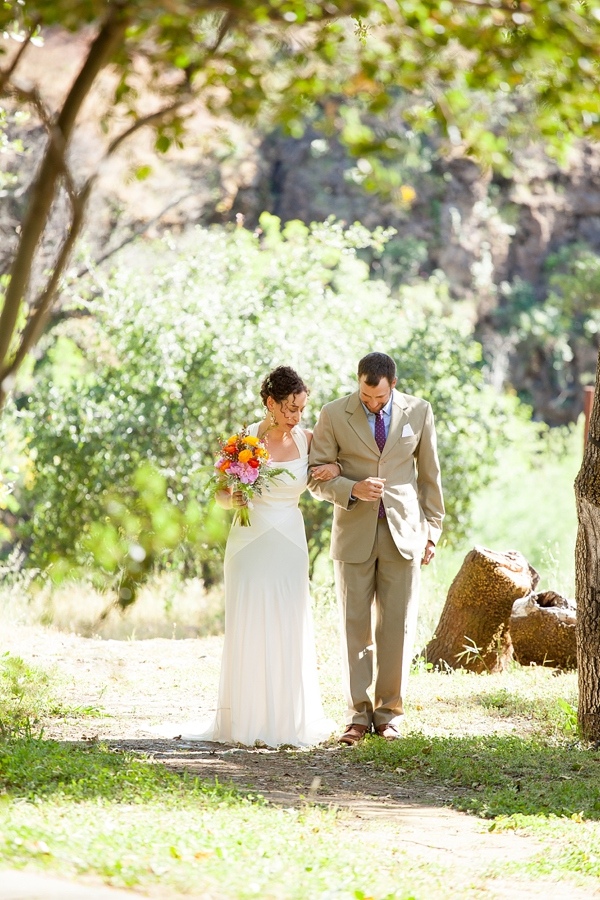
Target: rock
<point>543,630</point>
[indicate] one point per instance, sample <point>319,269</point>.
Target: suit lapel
<point>399,420</point>
<point>359,422</point>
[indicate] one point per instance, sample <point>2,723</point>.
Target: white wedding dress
<point>269,690</point>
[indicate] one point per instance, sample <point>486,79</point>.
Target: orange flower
<point>224,464</point>
<point>245,455</point>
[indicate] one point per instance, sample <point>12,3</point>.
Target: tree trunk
<point>587,579</point>
<point>473,629</point>
<point>45,187</point>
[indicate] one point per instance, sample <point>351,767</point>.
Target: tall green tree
<point>276,58</point>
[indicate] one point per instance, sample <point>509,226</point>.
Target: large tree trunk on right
<point>473,629</point>
<point>587,579</point>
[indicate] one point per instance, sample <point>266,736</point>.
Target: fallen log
<point>543,630</point>
<point>473,631</point>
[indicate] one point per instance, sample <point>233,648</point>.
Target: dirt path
<point>139,685</point>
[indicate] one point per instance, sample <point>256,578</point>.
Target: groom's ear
<point>394,383</point>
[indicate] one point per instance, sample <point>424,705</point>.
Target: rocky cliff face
<point>484,231</point>
<point>480,229</point>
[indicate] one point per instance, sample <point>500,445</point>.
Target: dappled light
<point>299,339</point>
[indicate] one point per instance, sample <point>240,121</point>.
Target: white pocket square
<point>407,431</point>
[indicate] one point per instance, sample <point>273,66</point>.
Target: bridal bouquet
<point>242,465</point>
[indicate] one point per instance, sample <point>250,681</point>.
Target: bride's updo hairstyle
<point>280,383</point>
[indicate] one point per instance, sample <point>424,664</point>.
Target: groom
<point>388,511</point>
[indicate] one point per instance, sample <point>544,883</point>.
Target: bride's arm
<point>324,472</point>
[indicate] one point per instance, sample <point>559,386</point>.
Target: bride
<point>269,691</point>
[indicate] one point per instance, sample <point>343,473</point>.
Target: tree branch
<point>40,312</point>
<point>6,74</point>
<point>226,23</point>
<point>151,119</point>
<point>136,232</point>
<point>108,38</point>
<point>33,96</point>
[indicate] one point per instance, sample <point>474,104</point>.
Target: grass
<point>33,768</point>
<point>570,845</point>
<point>497,775</point>
<point>497,746</point>
<point>234,852</point>
<point>25,695</point>
<point>87,810</point>
<point>167,606</point>
<point>29,696</point>
<point>502,747</point>
<point>547,789</point>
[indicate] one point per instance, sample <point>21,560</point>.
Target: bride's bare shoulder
<point>308,435</point>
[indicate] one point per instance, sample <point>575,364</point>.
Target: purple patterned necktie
<point>380,441</point>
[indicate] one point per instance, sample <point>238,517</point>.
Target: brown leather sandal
<point>353,734</point>
<point>388,731</point>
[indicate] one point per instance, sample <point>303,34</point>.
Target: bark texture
<point>587,593</point>
<point>473,631</point>
<point>43,194</point>
<point>587,578</point>
<point>543,630</point>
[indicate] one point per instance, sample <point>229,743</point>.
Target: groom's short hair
<point>375,366</point>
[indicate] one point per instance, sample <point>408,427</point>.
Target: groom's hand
<point>428,553</point>
<point>369,489</point>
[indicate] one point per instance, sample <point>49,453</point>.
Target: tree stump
<point>473,631</point>
<point>543,629</point>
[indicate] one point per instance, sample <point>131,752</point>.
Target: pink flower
<point>245,473</point>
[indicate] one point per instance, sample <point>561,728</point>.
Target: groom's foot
<point>353,734</point>
<point>387,731</point>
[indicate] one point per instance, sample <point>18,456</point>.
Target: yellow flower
<point>260,451</point>
<point>245,455</point>
<point>407,194</point>
<point>251,441</point>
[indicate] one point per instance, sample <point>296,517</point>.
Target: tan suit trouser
<point>392,583</point>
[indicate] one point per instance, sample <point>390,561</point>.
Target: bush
<point>556,339</point>
<point>26,696</point>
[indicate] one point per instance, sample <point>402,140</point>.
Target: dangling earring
<point>273,419</point>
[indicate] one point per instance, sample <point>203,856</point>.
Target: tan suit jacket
<point>409,462</point>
